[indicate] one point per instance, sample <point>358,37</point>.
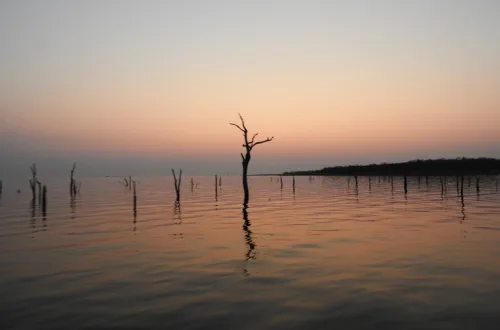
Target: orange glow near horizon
<point>374,88</point>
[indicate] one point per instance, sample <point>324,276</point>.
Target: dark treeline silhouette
<point>458,166</point>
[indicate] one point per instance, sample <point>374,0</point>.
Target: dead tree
<point>44,201</point>
<point>177,184</point>
<point>40,197</point>
<point>72,185</point>
<point>245,158</point>
<point>216,192</point>
<point>135,200</point>
<point>33,181</point>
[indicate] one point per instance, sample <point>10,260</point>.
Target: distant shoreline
<point>429,167</point>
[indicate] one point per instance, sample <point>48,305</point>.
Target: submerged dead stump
<point>177,184</point>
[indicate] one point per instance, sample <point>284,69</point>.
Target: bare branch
<point>263,141</point>
<point>241,129</point>
<point>242,157</point>
<point>242,122</point>
<point>33,169</point>
<point>175,178</point>
<point>253,138</point>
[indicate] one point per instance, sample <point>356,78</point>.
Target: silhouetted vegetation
<point>449,167</point>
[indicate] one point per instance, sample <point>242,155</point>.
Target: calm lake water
<point>327,257</point>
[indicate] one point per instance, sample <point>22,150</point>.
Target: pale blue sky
<point>152,81</point>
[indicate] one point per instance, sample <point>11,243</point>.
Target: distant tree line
<point>429,167</point>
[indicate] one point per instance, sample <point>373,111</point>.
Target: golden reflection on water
<point>368,241</point>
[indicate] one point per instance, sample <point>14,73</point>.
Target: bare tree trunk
<point>33,181</point>
<point>72,186</point>
<point>246,196</point>
<point>216,190</point>
<point>135,200</point>
<point>177,184</point>
<point>44,201</point>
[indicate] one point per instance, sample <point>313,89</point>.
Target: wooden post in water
<point>44,201</point>
<point>406,184</point>
<point>40,195</point>
<point>442,185</point>
<point>356,181</point>
<point>392,184</point>
<point>216,190</point>
<point>369,183</point>
<point>418,180</point>
<point>293,184</point>
<point>462,187</point>
<point>135,199</point>
<point>33,181</point>
<point>281,182</point>
<point>477,185</point>
<point>192,184</point>
<point>72,187</point>
<point>177,184</point>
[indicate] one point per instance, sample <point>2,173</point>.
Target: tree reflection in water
<point>251,253</point>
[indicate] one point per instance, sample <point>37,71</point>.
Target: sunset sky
<point>141,86</point>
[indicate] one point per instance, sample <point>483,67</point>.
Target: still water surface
<point>328,256</point>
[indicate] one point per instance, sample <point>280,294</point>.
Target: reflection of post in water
<point>250,254</point>
<point>177,213</point>
<point>462,208</point>
<point>369,184</point>
<point>462,187</point>
<point>72,205</point>
<point>33,215</point>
